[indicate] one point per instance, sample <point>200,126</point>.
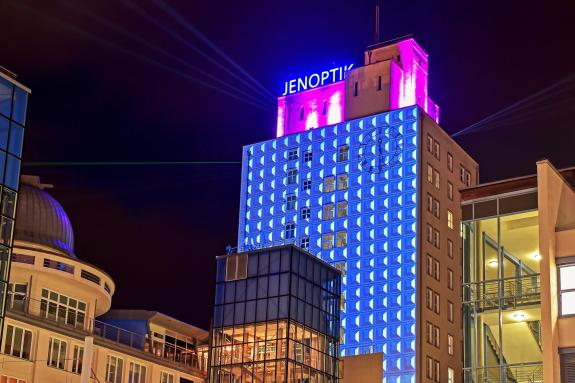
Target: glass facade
<point>276,318</point>
<point>362,215</point>
<point>13,104</point>
<point>501,291</point>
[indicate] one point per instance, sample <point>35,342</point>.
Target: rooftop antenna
<point>378,8</point>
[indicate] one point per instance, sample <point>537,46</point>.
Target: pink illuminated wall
<point>311,109</point>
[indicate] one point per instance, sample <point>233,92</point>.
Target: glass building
<point>502,288</point>
<point>276,318</point>
<point>13,103</point>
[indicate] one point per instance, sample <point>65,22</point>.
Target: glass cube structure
<point>359,214</point>
<point>276,318</point>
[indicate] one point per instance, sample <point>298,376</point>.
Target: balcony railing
<point>73,320</point>
<point>511,373</point>
<point>514,291</point>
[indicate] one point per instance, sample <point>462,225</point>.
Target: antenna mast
<point>378,8</point>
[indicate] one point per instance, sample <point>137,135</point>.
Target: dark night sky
<point>157,229</point>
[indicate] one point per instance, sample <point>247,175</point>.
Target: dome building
<point>58,316</point>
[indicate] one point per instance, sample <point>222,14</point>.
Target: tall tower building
<point>13,103</point>
<point>362,176</point>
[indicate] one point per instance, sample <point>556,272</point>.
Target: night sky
<point>99,95</point>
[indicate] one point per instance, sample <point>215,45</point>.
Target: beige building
<point>51,334</point>
<point>519,278</point>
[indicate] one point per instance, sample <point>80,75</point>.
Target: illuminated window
<point>450,162</point>
<point>450,311</point>
<point>291,176</point>
<point>343,153</point>
<point>306,184</point>
<point>58,307</point>
<point>429,173</point>
<point>328,211</point>
<point>236,267</point>
<point>77,357</point>
<point>327,241</point>
<point>329,184</point>
<point>17,342</point>
<point>450,190</point>
<point>436,179</point>
<point>341,209</point>
<point>436,150</point>
<point>567,289</point>
<point>57,353</point>
<point>114,369</point>
<point>450,219</point>
<point>307,156</point>
<point>290,231</point>
<point>291,202</point>
<point>292,154</point>
<point>304,243</point>
<point>341,238</point>
<point>450,248</point>
<point>450,344</point>
<point>342,182</point>
<point>166,377</point>
<point>305,212</point>
<point>450,279</point>
<point>137,373</point>
<point>450,375</point>
<point>341,267</point>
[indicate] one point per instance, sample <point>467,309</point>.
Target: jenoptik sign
<point>315,80</point>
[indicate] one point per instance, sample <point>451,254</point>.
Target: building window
<point>301,113</point>
<point>450,311</point>
<point>291,176</point>
<point>17,342</point>
<point>450,375</point>
<point>450,162</point>
<point>436,208</point>
<point>292,154</point>
<point>291,202</point>
<point>429,299</point>
<point>436,299</point>
<point>437,337</point>
<point>290,231</point>
<point>429,333</point>
<point>436,179</point>
<point>436,150</point>
<point>462,174</point>
<point>450,344</point>
<point>16,297</point>
<point>429,368</point>
<point>567,289</point>
<point>429,173</point>
<point>305,212</point>
<point>429,233</point>
<point>467,179</point>
<point>327,241</point>
<point>11,379</point>
<point>329,184</point>
<point>429,203</point>
<point>137,373</point>
<point>379,83</point>
<point>429,265</point>
<point>342,209</point>
<point>57,353</point>
<point>343,153</point>
<point>328,211</point>
<point>450,279</point>
<point>304,243</point>
<point>236,267</point>
<point>437,370</point>
<point>166,377</point>
<point>450,190</point>
<point>306,185</point>
<point>355,89</point>
<point>450,248</point>
<point>342,182</point>
<point>61,308</point>
<point>114,369</point>
<point>341,238</point>
<point>436,272</point>
<point>77,359</point>
<point>307,156</point>
<point>450,219</point>
<point>436,238</point>
<point>429,143</point>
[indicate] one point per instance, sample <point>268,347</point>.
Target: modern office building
<point>276,318</point>
<point>374,193</point>
<point>59,327</point>
<point>13,104</point>
<point>519,278</point>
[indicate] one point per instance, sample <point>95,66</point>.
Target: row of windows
<point>328,211</point>
<point>329,182</point>
<point>327,238</point>
<point>465,176</point>
<point>434,147</point>
<point>433,337</point>
<point>432,302</point>
<point>11,379</point>
<point>433,236</point>
<point>433,368</point>
<point>342,154</point>
<point>433,176</point>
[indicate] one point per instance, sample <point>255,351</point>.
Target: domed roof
<point>41,219</point>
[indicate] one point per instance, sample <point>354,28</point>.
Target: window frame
<point>342,205</point>
<point>329,184</point>
<point>343,153</point>
<point>305,212</point>
<point>307,156</point>
<point>142,367</point>
<point>328,211</point>
<point>306,184</point>
<point>450,219</point>
<point>340,181</point>
<point>341,238</point>
<point>291,202</point>
<point>327,238</point>
<point>450,279</point>
<point>292,154</point>
<point>292,174</point>
<point>450,345</point>
<point>22,353</point>
<point>450,312</point>
<point>117,378</point>
<point>56,361</point>
<point>77,358</point>
<point>570,262</point>
<point>450,162</point>
<point>304,242</point>
<point>450,190</point>
<point>289,229</point>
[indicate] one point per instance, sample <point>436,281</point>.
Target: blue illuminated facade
<point>347,193</point>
